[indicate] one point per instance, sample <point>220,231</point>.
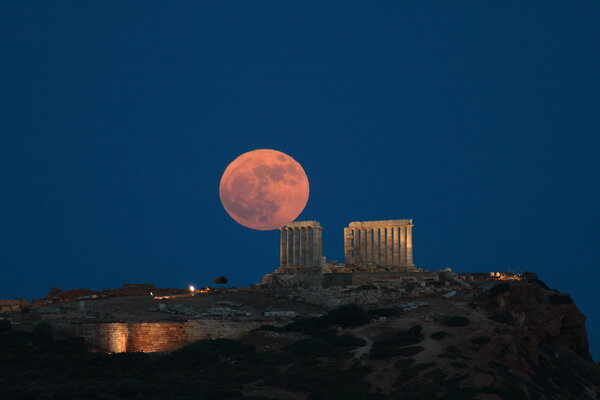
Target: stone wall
<point>371,287</point>
<point>13,305</point>
<point>121,337</point>
<point>335,279</point>
<point>366,278</point>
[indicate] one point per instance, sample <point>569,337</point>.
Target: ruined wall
<point>302,277</point>
<point>366,278</point>
<point>377,287</point>
<point>13,305</point>
<point>213,329</point>
<point>335,279</point>
<point>121,337</point>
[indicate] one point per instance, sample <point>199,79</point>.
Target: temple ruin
<point>378,263</point>
<point>386,243</point>
<point>301,244</point>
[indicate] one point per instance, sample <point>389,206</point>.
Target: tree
<point>221,280</point>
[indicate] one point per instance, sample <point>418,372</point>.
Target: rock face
<point>492,340</point>
<point>544,319</point>
<point>513,340</point>
<point>517,340</point>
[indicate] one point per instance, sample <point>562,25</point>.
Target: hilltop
<point>508,340</point>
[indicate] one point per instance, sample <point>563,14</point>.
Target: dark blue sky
<point>479,120</point>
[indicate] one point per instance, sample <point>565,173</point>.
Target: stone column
<point>369,233</point>
<point>382,246</point>
<point>310,246</point>
<point>403,245</point>
<point>397,245</point>
<point>282,248</point>
<point>409,248</point>
<point>355,245</point>
<point>376,245</point>
<point>296,247</point>
<point>318,242</point>
<point>290,246</point>
<point>303,246</point>
<point>389,259</point>
<point>348,246</point>
<point>363,246</point>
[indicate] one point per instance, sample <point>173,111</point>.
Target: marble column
<point>348,246</point>
<point>355,246</point>
<point>389,259</point>
<point>282,247</point>
<point>303,246</point>
<point>363,246</point>
<point>403,245</point>
<point>382,246</point>
<point>290,246</point>
<point>397,245</point>
<point>296,247</point>
<point>369,233</point>
<point>310,246</point>
<point>376,245</point>
<point>318,246</point>
<point>409,248</point>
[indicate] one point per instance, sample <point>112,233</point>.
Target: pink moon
<point>264,189</point>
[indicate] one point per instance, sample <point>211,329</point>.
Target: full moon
<point>264,189</point>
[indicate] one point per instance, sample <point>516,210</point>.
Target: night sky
<point>479,120</point>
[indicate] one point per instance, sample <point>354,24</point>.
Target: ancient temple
<point>387,243</point>
<point>301,244</point>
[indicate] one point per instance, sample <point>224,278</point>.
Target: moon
<point>264,189</point>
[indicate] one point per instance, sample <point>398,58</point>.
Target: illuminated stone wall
<point>149,337</point>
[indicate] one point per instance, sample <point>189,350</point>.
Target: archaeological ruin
<point>386,243</point>
<point>378,270</point>
<point>378,266</point>
<point>301,244</point>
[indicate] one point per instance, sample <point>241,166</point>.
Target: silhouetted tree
<point>221,280</point>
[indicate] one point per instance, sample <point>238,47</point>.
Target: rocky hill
<point>514,340</point>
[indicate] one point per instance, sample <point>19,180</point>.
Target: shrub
<point>381,351</point>
<point>310,347</point>
<point>404,362</point>
<point>221,394</point>
<point>411,351</point>
<point>411,336</point>
<point>310,326</point>
<point>412,372</point>
<point>42,332</point>
<point>385,312</point>
<point>358,390</point>
<point>453,349</point>
<point>458,364</point>
<point>560,299</point>
<point>206,352</point>
<point>72,345</point>
<point>439,335</point>
<point>481,340</point>
<point>348,315</point>
<point>129,387</point>
<point>499,289</point>
<point>325,345</point>
<point>500,318</point>
<point>228,347</point>
<point>457,320</point>
<point>271,328</point>
<point>221,280</point>
<point>5,325</point>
